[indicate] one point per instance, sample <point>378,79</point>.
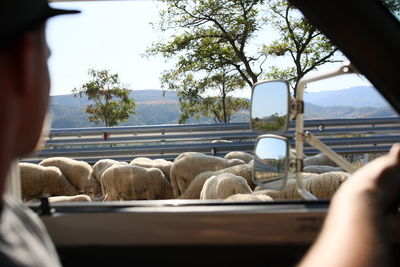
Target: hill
<point>140,96</point>
<point>315,112</point>
<point>155,107</point>
<point>152,107</point>
<point>359,96</point>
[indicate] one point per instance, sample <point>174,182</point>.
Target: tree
<point>307,47</point>
<point>112,103</point>
<point>211,48</point>
<point>194,101</point>
<point>212,33</point>
<point>211,37</point>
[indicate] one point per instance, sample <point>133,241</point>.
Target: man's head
<point>20,16</point>
<point>24,75</point>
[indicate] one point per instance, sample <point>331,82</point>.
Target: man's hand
<point>377,185</point>
<point>355,232</point>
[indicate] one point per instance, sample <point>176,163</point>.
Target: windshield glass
<point>151,100</point>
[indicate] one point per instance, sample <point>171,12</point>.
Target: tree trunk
<point>224,103</point>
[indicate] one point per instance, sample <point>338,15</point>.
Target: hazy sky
<point>114,35</point>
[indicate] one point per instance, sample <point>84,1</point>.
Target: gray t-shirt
<point>24,240</point>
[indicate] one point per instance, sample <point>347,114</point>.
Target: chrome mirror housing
<point>271,162</point>
<point>270,107</point>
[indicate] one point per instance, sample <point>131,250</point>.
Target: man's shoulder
<point>23,238</point>
<point>18,211</point>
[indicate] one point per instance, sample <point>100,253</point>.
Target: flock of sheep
<point>191,175</point>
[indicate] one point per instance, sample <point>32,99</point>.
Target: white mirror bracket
<point>346,68</point>
<point>339,160</point>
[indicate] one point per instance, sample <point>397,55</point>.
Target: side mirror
<point>271,162</point>
<point>270,107</point>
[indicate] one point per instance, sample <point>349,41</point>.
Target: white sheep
<point>319,159</point>
<point>320,185</point>
<point>102,165</point>
<point>186,154</point>
<point>187,166</point>
<point>39,180</point>
<point>246,157</point>
<point>248,198</point>
<point>131,182</point>
<point>223,186</point>
<point>77,198</point>
<point>304,175</point>
<point>321,169</point>
<point>194,189</point>
<point>79,173</point>
<point>162,164</point>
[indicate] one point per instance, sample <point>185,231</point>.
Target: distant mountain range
<point>314,112</point>
<point>360,96</point>
<point>155,107</point>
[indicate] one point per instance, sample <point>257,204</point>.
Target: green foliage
<point>212,107</point>
<point>195,103</point>
<point>301,41</point>
<point>270,123</point>
<point>210,40</point>
<point>152,108</point>
<point>111,101</point>
<point>210,34</point>
<point>210,45</point>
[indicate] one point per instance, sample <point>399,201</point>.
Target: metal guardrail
<point>169,128</point>
<point>168,141</point>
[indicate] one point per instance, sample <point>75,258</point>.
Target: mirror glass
<point>270,107</point>
<point>271,162</point>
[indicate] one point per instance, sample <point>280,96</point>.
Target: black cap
<point>18,16</point>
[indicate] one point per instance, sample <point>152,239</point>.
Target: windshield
<point>151,100</point>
